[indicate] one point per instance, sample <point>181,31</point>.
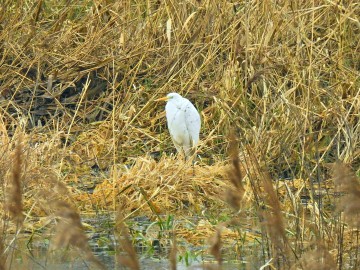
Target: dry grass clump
<point>32,189</point>
<point>29,167</point>
<point>77,84</point>
<point>168,185</point>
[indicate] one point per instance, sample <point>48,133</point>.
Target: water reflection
<point>153,250</point>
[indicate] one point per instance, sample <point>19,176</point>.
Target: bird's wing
<point>176,124</point>
<point>193,123</point>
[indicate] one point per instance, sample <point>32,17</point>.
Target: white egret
<point>183,122</point>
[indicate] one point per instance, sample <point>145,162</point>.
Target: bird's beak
<point>162,99</point>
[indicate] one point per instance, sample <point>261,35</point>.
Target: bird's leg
<point>181,155</point>
<point>179,149</point>
<point>193,165</point>
<point>192,156</point>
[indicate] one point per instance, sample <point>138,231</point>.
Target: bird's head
<point>170,96</point>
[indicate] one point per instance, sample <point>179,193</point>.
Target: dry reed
<point>13,202</point>
<point>130,258</point>
<point>319,258</point>
<point>69,232</point>
<point>215,246</point>
<point>78,81</point>
<point>235,194</point>
<point>172,255</point>
<point>348,184</point>
<point>2,256</point>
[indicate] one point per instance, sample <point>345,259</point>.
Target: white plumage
<point>184,123</point>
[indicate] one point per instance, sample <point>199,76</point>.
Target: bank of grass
<point>78,83</point>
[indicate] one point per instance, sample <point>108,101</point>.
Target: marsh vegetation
<point>276,180</point>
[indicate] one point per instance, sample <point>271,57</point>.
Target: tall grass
<point>78,82</point>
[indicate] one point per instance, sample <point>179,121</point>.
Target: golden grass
<point>169,184</point>
<point>13,202</point>
<point>78,82</point>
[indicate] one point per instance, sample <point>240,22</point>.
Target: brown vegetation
<point>13,202</point>
<point>79,127</point>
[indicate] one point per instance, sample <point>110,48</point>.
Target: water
<point>151,243</point>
